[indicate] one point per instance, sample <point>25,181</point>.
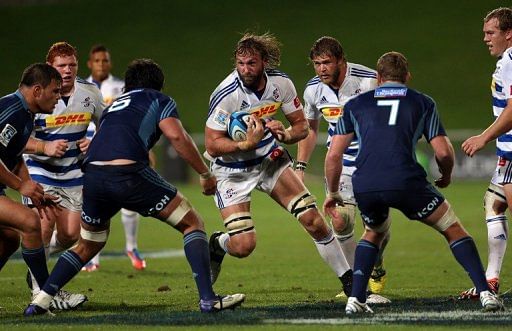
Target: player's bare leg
<point>291,194</point>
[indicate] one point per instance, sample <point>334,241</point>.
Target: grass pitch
<point>288,286</point>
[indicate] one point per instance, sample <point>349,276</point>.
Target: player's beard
<point>252,81</point>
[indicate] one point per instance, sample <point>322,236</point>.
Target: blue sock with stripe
<point>35,259</point>
<point>67,266</point>
<point>366,255</point>
<point>466,254</point>
<point>197,253</point>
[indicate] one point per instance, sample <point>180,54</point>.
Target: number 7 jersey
<point>388,122</point>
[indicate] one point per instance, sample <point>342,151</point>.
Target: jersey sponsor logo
<point>7,134</point>
<point>220,117</point>
<point>324,100</point>
<point>331,111</point>
<point>68,119</point>
<point>160,205</point>
<point>90,220</point>
<point>390,92</point>
<point>266,110</point>
<point>429,208</point>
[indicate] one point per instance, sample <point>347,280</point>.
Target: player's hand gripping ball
<point>237,125</point>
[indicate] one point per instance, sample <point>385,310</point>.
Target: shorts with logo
<point>235,185</point>
<point>136,187</point>
<point>503,172</point>
<point>69,198</point>
<point>416,204</point>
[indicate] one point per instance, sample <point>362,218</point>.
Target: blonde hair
<point>266,45</point>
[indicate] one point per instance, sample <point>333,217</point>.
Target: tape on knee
<point>179,212</point>
<point>301,204</point>
<point>381,228</point>
<point>239,222</point>
<point>448,219</point>
<point>99,237</point>
<point>348,215</point>
<point>494,193</point>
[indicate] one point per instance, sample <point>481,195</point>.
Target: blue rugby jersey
<point>16,124</point>
<point>388,122</point>
<point>129,127</point>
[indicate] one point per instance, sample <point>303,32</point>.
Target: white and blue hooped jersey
<point>68,122</point>
<point>232,96</point>
<point>320,100</point>
<point>501,88</point>
<point>110,89</point>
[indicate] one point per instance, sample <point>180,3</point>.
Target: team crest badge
<point>7,134</point>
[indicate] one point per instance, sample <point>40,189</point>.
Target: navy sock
<point>366,254</point>
<point>196,250</point>
<point>67,266</point>
<point>466,254</point>
<point>36,262</point>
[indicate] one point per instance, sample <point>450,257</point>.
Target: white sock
<point>497,235</point>
<point>55,246</point>
<point>223,242</point>
<point>130,221</point>
<point>331,252</point>
<point>348,247</point>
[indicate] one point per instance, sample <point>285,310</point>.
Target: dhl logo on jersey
<point>68,119</point>
<point>266,110</point>
<point>331,111</point>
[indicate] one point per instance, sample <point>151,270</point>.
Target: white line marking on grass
<point>404,317</point>
<point>117,255</point>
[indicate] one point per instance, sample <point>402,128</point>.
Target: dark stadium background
<point>193,42</point>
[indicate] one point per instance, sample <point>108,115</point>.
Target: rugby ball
<point>237,125</point>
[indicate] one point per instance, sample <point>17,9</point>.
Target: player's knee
<point>67,237</point>
<point>239,223</point>
<point>301,204</point>
<point>382,229</point>
<point>495,203</point>
<point>31,225</point>
<point>243,247</point>
<point>343,225</point>
<point>447,220</point>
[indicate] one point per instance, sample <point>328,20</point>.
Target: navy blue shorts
<point>136,187</point>
<point>416,204</point>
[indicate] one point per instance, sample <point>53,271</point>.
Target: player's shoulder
<point>84,87</point>
<point>83,82</point>
<point>361,71</point>
<point>10,106</point>
<point>276,73</point>
<point>313,83</point>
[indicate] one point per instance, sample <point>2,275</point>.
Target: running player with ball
<point>259,162</point>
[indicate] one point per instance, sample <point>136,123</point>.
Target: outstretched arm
<point>305,148</point>
<point>333,166</point>
<point>500,126</point>
<point>445,158</point>
<point>187,150</point>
